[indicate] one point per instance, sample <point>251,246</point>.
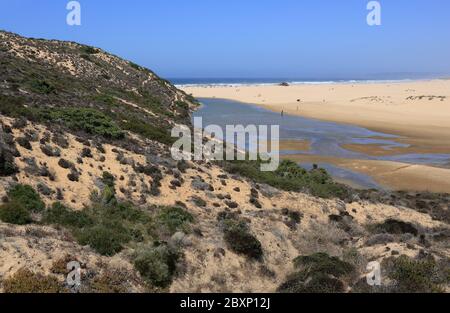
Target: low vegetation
<point>318,273</point>
<point>23,200</point>
<point>25,281</point>
<point>89,120</point>
<point>239,238</point>
<point>290,177</point>
<point>157,264</point>
<point>413,276</point>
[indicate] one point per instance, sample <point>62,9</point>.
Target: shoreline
<point>395,176</point>
<point>380,107</point>
<point>417,112</point>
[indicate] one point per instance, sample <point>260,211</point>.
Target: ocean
<point>184,82</point>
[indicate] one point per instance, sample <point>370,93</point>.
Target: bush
<point>318,273</point>
<point>106,227</point>
<point>239,239</point>
<point>147,130</point>
<point>14,213</point>
<point>41,86</point>
<point>108,179</point>
<point>89,50</point>
<point>291,177</point>
<point>110,281</point>
<point>26,197</point>
<point>319,283</point>
<point>413,276</point>
<point>174,219</point>
<point>89,120</point>
<point>25,281</point>
<point>24,143</point>
<point>395,227</point>
<point>61,215</point>
<point>157,264</point>
<point>325,264</point>
<point>107,239</point>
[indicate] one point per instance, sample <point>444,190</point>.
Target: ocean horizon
<point>189,82</point>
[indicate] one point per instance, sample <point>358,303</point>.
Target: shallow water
<point>326,138</point>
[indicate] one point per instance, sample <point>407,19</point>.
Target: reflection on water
<point>326,138</point>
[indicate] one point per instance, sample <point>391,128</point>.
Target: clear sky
<point>251,38</point>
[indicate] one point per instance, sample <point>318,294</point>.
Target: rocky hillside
<point>86,175</point>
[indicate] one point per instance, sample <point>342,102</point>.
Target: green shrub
<point>147,130</point>
<point>169,220</point>
<point>291,177</point>
<point>119,212</point>
<point>89,120</point>
<point>394,227</point>
<point>110,281</point>
<point>239,239</point>
<point>58,214</point>
<point>41,86</point>
<point>106,99</point>
<point>318,273</point>
<point>108,179</point>
<point>25,281</point>
<point>106,227</point>
<point>413,276</point>
<point>14,213</point>
<point>319,283</point>
<point>325,264</point>
<point>89,50</point>
<point>157,264</point>
<point>26,197</point>
<point>107,238</point>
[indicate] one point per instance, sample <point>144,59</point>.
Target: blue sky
<point>251,38</point>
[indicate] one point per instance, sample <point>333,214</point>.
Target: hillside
<point>45,80</point>
<point>86,175</point>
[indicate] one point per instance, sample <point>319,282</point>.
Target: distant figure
<point>282,113</point>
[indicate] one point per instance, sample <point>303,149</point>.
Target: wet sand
<point>391,175</point>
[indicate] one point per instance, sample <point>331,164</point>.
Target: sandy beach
<point>417,111</point>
